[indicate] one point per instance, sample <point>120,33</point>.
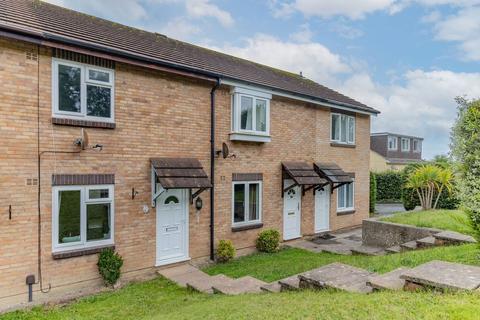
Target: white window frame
<point>343,209</point>
<point>348,119</point>
<point>395,143</point>
<point>419,145</point>
<point>408,143</point>
<point>246,203</point>
<point>237,94</point>
<point>84,200</point>
<point>84,81</point>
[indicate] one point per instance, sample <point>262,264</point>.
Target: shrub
<point>389,185</point>
<point>373,192</point>
<point>225,251</point>
<point>268,241</point>
<point>109,265</point>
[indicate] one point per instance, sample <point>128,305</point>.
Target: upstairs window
<point>250,115</point>
<point>82,91</point>
<point>417,145</point>
<point>343,128</point>
<point>405,144</point>
<point>392,143</point>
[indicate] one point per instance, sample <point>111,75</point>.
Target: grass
<point>455,220</point>
<point>287,262</point>
<point>160,299</point>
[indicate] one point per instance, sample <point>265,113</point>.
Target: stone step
<point>394,249</point>
<point>337,276</point>
<point>427,242</point>
<point>273,287</point>
<point>443,275</point>
<point>291,283</point>
<point>338,249</point>
<point>242,285</point>
<point>205,285</point>
<point>369,251</point>
<point>452,238</point>
<point>408,246</point>
<point>388,281</point>
<point>182,274</point>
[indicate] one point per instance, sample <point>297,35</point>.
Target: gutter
<point>212,168</point>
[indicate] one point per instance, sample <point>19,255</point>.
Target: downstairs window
<point>247,203</point>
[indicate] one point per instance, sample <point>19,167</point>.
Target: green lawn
<point>160,299</point>
<point>455,220</point>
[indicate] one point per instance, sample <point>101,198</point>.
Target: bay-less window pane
<point>351,129</point>
<point>349,195</point>
<point>341,197</point>
<point>246,113</point>
<point>335,127</point>
<point>98,75</point>
<point>98,101</point>
<point>69,88</point>
<point>261,121</point>
<point>69,216</point>
<point>254,197</point>
<point>239,203</point>
<point>98,194</point>
<point>343,128</point>
<point>98,221</point>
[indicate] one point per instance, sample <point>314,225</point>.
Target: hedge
<point>390,185</point>
<point>373,192</point>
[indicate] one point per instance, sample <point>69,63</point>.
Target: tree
<point>465,149</point>
<point>429,180</point>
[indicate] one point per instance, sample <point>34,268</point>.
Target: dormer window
<point>392,143</point>
<point>250,115</point>
<point>417,145</point>
<point>405,144</point>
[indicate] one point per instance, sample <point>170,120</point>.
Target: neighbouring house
<point>391,151</point>
<point>117,137</point>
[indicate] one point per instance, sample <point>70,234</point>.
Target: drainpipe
<point>212,169</point>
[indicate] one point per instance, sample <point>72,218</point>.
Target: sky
<point>407,58</point>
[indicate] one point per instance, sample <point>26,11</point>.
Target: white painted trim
<point>251,91</point>
<point>296,97</point>
<point>401,145</point>
<point>246,203</point>
<point>396,143</point>
<point>83,243</point>
<point>82,115</point>
<point>236,113</point>
<point>240,136</point>
<point>343,209</point>
<point>348,118</point>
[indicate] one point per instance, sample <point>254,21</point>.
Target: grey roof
<point>302,173</point>
<point>373,134</point>
<point>179,173</point>
<point>62,25</point>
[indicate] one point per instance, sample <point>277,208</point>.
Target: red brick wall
<point>157,115</point>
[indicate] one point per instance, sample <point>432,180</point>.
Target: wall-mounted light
<point>134,193</point>
<point>199,203</point>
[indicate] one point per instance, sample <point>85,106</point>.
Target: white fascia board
<point>279,93</point>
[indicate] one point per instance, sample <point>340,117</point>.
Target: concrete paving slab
<point>369,251</point>
<point>290,284</point>
<point>205,285</point>
<point>273,287</point>
<point>394,249</point>
<point>242,285</point>
<point>444,275</point>
<point>427,242</point>
<point>182,274</point>
<point>388,281</point>
<point>451,237</point>
<point>408,246</point>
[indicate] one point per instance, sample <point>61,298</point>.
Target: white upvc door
<point>172,227</point>
<point>322,210</point>
<point>292,212</point>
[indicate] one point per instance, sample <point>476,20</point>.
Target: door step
<point>388,281</point>
<point>202,284</point>
<point>452,238</point>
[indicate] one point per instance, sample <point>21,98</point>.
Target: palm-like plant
<point>428,180</point>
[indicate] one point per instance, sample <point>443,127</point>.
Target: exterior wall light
<point>199,203</point>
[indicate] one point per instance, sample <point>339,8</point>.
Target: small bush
<point>268,241</point>
<point>373,192</point>
<point>225,251</point>
<point>109,265</point>
<point>389,185</point>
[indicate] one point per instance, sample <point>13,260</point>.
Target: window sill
<point>342,145</point>
<point>241,136</point>
<point>83,123</point>
<point>79,252</point>
<point>346,212</point>
<point>247,227</point>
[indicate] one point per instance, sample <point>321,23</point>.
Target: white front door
<point>172,227</point>
<point>291,212</point>
<point>322,209</point>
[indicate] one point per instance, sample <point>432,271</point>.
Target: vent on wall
<point>32,182</point>
<point>31,55</point>
<point>83,58</point>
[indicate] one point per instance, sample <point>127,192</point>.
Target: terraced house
<point>111,136</point>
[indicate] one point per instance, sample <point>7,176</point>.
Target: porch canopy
<point>302,175</point>
<point>333,174</point>
<point>178,173</point>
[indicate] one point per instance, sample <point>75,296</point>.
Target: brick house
<point>392,151</point>
<point>116,137</point>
